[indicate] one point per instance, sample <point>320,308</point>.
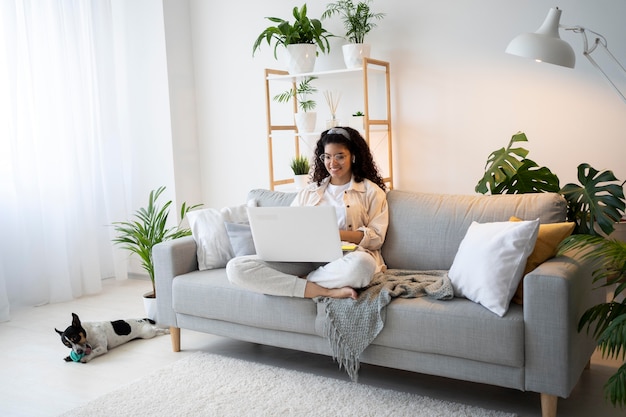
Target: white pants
<point>355,269</point>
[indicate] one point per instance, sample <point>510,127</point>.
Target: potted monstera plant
<point>358,20</point>
<point>302,38</point>
<point>147,228</point>
<point>596,203</point>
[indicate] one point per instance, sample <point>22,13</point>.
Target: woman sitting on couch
<point>345,177</point>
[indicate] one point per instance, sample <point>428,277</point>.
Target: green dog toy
<point>76,357</point>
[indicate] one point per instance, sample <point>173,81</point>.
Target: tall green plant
<point>302,30</point>
<point>609,318</point>
<point>149,228</point>
<point>358,19</point>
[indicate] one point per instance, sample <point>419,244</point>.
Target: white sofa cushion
<point>491,260</point>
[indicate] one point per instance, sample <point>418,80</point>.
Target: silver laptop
<point>295,234</point>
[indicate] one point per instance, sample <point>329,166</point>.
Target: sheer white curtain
<point>61,174</point>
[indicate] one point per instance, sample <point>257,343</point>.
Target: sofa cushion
<point>491,260</point>
<point>546,247</point>
<point>267,198</point>
<point>240,236</point>
<point>213,245</point>
<point>209,294</point>
<point>425,230</point>
<point>457,328</point>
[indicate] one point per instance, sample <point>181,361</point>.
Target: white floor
<point>35,381</point>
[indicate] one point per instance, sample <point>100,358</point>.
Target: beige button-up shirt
<point>366,210</point>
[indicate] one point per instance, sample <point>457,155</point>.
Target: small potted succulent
<point>358,20</point>
<point>300,167</point>
<point>302,38</point>
<point>358,120</point>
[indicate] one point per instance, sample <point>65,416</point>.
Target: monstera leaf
<point>529,178</point>
<point>597,200</point>
<point>509,172</point>
<point>502,165</point>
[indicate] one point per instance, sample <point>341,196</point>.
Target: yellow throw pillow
<point>548,239</point>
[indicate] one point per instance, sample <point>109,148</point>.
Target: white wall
<point>456,96</point>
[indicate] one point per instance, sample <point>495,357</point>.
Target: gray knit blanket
<point>351,325</point>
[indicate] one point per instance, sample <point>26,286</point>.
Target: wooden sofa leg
<point>548,405</point>
<point>175,336</point>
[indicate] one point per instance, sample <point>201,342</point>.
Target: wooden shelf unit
<point>370,66</point>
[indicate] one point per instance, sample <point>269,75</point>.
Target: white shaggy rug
<point>205,384</point>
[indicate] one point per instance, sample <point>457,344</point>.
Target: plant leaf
<point>501,165</point>
<point>529,178</point>
<point>598,200</point>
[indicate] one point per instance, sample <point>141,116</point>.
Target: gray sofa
<point>533,347</point>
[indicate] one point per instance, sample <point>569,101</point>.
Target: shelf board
<point>294,77</point>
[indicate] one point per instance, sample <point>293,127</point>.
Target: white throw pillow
<point>214,249</point>
<point>490,262</point>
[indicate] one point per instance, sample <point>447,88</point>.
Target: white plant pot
<point>150,305</point>
<point>353,54</point>
<point>301,58</point>
<point>357,122</point>
<point>301,181</point>
<point>305,121</point>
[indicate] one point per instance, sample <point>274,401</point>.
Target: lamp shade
<point>544,45</point>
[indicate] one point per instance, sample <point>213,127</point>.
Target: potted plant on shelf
<point>305,118</point>
<point>148,228</point>
<point>358,20</point>
<point>300,167</point>
<point>358,120</point>
<point>301,39</point>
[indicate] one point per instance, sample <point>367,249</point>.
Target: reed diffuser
<point>332,99</point>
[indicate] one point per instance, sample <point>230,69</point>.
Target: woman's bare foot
<point>313,290</point>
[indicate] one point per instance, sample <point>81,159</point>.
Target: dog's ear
<point>58,331</point>
<point>75,320</point>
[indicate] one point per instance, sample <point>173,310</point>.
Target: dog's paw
<point>68,359</point>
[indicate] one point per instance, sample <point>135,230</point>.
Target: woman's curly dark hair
<point>364,165</point>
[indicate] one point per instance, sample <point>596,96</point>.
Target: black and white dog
<point>88,340</point>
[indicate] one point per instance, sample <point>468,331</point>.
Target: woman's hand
<point>352,236</point>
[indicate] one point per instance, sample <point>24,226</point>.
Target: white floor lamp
<point>545,45</point>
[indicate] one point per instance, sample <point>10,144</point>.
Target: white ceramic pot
<point>353,54</point>
<point>149,304</point>
<point>357,122</point>
<point>301,181</point>
<point>301,58</point>
<point>305,121</point>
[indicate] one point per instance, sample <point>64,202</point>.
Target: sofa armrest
<point>556,295</point>
<point>171,258</point>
